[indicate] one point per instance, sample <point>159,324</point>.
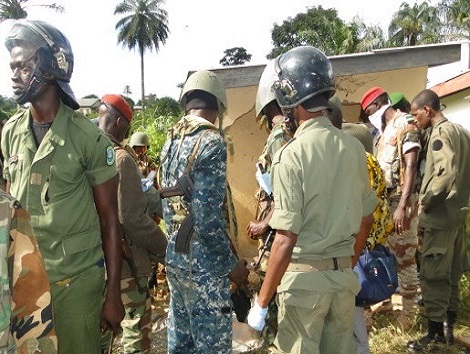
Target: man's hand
<point>400,221</point>
<point>256,229</point>
<point>239,274</point>
<point>257,316</point>
<point>112,314</point>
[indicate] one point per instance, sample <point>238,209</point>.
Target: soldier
<point>281,132</point>
<point>199,262</point>
<point>398,150</point>
<point>323,207</point>
<point>61,168</point>
<point>399,102</point>
<point>443,200</point>
<point>26,294</point>
<point>140,233</point>
<point>140,143</point>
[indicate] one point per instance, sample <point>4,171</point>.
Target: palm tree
<point>368,37</point>
<point>456,15</point>
<point>419,24</point>
<point>145,26</point>
<point>16,9</point>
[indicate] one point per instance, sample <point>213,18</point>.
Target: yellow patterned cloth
<point>382,216</point>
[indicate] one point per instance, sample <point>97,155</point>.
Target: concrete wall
<point>458,107</point>
<point>248,137</point>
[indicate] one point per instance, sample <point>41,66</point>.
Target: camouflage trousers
<point>7,342</point>
<point>136,325</point>
<point>200,314</point>
<point>404,248</point>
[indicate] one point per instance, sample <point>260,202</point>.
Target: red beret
<point>370,95</point>
<point>118,102</point>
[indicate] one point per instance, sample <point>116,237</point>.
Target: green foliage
<point>413,25</point>
<point>17,9</point>
<point>235,56</point>
<point>155,123</point>
<point>456,19</point>
<point>7,107</point>
<point>318,27</point>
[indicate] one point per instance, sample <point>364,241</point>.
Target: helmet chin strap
<point>290,121</point>
<point>33,87</point>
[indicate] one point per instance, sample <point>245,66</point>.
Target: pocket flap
<point>81,242</point>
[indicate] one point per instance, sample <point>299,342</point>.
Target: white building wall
<point>458,107</point>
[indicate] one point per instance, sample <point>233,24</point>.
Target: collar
<point>443,120</point>
<point>58,129</point>
<point>317,122</point>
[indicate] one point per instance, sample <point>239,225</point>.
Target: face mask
<point>376,118</point>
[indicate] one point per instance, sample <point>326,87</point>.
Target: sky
<point>199,32</point>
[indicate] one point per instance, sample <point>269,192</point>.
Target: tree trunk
<point>142,85</point>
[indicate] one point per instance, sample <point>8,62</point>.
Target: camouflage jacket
<point>26,320</point>
<point>210,248</point>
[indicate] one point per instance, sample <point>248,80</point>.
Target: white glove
<point>257,316</point>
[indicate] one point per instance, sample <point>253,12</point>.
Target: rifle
<point>266,246</point>
<point>127,255</point>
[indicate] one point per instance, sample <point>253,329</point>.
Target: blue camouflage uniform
<point>200,310</point>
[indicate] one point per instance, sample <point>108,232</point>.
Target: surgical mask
<point>376,118</point>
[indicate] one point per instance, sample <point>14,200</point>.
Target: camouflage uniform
<point>199,319</point>
<point>279,135</point>
<point>394,142</point>
<point>26,322</point>
<point>143,236</point>
<point>145,164</point>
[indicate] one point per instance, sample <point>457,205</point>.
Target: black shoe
<point>449,327</point>
<point>426,343</point>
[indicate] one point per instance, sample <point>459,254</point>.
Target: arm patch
<point>437,145</point>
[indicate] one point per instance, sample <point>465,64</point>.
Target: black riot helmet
<point>303,73</point>
<point>54,53</point>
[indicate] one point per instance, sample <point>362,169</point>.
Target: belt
<point>302,265</point>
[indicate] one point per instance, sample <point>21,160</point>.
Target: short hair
<point>427,98</point>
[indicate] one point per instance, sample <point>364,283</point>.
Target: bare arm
<point>400,220</point>
<point>279,259</point>
<point>105,196</point>
<point>361,236</point>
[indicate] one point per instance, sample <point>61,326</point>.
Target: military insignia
<point>437,145</point>
<point>61,60</point>
<point>110,156</point>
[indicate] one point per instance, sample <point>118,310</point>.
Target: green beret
<point>396,97</point>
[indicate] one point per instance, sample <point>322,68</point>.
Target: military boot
<point>433,339</point>
<point>449,326</point>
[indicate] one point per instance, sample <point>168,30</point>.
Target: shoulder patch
<point>110,156</point>
<point>437,145</point>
